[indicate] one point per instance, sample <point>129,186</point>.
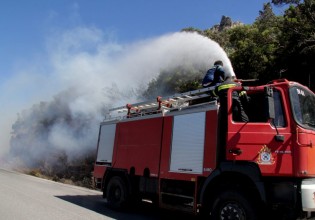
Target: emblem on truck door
<point>265,156</point>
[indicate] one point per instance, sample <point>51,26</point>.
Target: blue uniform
<point>213,77</point>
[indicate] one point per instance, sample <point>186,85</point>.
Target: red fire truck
<point>169,151</point>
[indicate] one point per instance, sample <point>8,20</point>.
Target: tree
<point>253,48</point>
<point>269,26</point>
<point>192,29</point>
<point>266,17</point>
<point>177,80</point>
<point>272,47</point>
<point>281,2</point>
<point>298,43</point>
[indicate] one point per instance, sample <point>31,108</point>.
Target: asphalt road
<point>31,198</point>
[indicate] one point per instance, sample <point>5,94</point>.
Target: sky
<point>26,25</point>
<point>48,46</point>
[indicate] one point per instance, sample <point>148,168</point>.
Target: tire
<point>232,205</point>
<point>116,193</point>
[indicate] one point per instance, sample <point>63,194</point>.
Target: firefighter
<point>237,106</point>
<point>237,111</point>
<point>214,75</point>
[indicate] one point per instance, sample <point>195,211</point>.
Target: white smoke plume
<point>64,94</point>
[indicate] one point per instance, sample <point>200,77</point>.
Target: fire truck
<point>169,151</point>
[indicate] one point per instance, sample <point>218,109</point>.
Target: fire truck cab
<point>177,153</point>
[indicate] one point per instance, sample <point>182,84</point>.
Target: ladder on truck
<point>162,105</point>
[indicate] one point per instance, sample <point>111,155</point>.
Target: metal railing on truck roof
<point>162,105</point>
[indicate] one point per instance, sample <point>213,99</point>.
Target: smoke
<point>83,74</point>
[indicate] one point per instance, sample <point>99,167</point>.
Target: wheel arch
<point>116,172</point>
<point>236,175</point>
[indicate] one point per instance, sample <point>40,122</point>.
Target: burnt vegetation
<point>35,148</point>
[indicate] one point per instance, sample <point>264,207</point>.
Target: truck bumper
<point>308,195</point>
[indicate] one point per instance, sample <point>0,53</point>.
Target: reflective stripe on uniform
<point>227,86</point>
<point>242,93</point>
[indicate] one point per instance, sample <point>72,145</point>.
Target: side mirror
<point>269,103</point>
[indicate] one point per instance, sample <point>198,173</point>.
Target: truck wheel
<point>232,205</point>
<point>116,193</point>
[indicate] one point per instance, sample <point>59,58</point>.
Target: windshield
<point>303,105</point>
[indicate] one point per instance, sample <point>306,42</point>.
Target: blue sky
<point>26,25</point>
